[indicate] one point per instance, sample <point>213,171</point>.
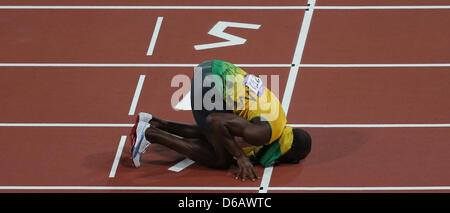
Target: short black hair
<point>301,143</point>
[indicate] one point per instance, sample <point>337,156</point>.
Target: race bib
<point>255,84</point>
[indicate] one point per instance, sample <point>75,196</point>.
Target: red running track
<point>54,91</point>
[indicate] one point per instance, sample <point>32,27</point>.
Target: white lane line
<point>112,174</point>
<point>151,47</point>
<point>64,125</point>
<point>376,65</point>
<point>91,65</point>
<point>370,125</point>
<point>188,188</point>
<point>124,65</point>
<point>221,7</point>
<point>154,7</point>
<point>181,165</point>
<point>137,93</point>
<point>296,60</point>
<point>393,188</point>
<point>193,65</point>
<point>194,188</point>
<point>439,125</point>
<point>410,7</point>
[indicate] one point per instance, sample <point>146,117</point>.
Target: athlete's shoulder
<point>216,63</point>
<point>221,63</point>
<point>226,68</point>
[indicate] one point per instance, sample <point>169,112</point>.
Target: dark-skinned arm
<point>245,166</point>
<point>255,132</point>
<point>230,126</point>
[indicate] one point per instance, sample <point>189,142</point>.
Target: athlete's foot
<point>142,116</point>
<point>140,144</point>
<point>133,133</point>
<point>146,117</point>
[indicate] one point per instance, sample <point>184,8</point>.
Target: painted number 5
<point>218,31</point>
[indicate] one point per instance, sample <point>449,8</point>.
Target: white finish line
<point>230,40</point>
<point>297,58</point>
<point>293,72</point>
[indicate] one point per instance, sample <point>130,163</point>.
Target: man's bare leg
<point>177,128</point>
<point>197,149</point>
<point>214,150</point>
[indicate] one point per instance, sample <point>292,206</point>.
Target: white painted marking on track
<point>152,44</point>
<point>204,188</point>
<point>375,65</point>
<point>112,174</point>
<point>218,31</point>
<point>296,60</point>
<point>137,93</point>
<point>265,181</point>
<point>125,65</point>
<point>410,7</point>
<point>153,7</point>
<point>54,7</point>
<point>381,188</point>
<point>136,188</point>
<point>181,165</point>
<point>118,125</point>
<point>370,125</point>
<point>193,65</point>
<point>64,125</point>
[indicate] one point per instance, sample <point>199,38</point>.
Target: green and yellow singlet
<point>250,99</point>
